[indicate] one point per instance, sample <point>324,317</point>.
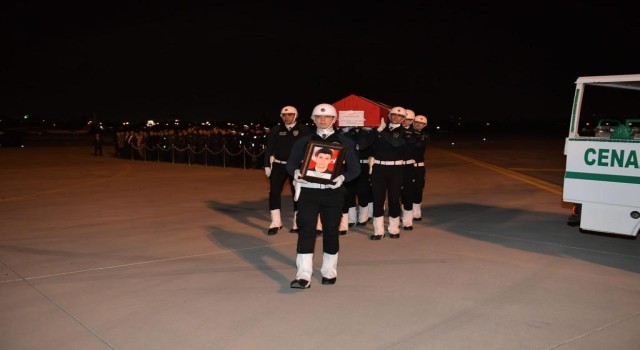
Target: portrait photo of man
<point>323,159</point>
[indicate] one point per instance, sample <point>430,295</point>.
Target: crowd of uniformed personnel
<point>391,180</point>
<point>232,146</point>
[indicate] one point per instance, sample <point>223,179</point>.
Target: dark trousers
<point>408,186</point>
<point>386,181</point>
<point>277,179</point>
<point>328,204</point>
<point>364,192</point>
<point>420,175</point>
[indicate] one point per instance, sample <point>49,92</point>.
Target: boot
<point>353,216</point>
<point>363,216</point>
<point>378,228</point>
<point>417,212</point>
<point>304,265</point>
<point>329,269</point>
<point>276,222</point>
<point>407,220</point>
<point>294,227</point>
<point>394,227</point>
<point>344,224</point>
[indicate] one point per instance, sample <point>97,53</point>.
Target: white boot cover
<point>407,218</point>
<point>363,214</point>
<point>394,225</point>
<point>417,212</point>
<point>276,221</point>
<point>378,226</point>
<point>304,263</point>
<point>329,267</point>
<point>353,216</point>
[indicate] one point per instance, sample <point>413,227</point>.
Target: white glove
<point>337,182</point>
<point>383,124</point>
<point>297,177</point>
<point>267,171</point>
<point>366,128</point>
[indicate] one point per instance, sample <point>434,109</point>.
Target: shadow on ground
<point>538,232</point>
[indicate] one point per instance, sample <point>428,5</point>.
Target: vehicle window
<point>605,108</point>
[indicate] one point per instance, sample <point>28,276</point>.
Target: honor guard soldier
<point>319,199</point>
<point>279,142</point>
<point>386,173</point>
<point>360,203</point>
<point>408,187</point>
<point>422,137</point>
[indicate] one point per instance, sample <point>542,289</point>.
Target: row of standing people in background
<point>384,169</point>
<point>194,145</point>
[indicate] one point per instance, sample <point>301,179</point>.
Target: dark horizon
<point>224,61</point>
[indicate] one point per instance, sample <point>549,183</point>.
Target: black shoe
<point>342,233</point>
<point>351,224</point>
<point>394,236</point>
<point>375,237</point>
<point>417,219</point>
<point>328,280</point>
<point>273,230</point>
<point>408,228</point>
<point>319,232</point>
<point>300,284</point>
<point>361,223</point>
<point>294,230</point>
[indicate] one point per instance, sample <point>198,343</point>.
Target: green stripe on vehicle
<point>602,177</point>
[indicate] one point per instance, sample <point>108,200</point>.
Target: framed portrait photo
<point>322,161</point>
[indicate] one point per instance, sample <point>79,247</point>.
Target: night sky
<point>244,60</point>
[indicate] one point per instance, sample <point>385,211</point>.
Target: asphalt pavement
<point>106,253</point>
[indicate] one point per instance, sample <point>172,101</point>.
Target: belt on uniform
<point>279,161</point>
<point>364,161</point>
<point>419,164</point>
<point>410,161</point>
<point>389,162</point>
<point>314,185</point>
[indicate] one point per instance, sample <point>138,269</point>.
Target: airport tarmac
<point>106,253</point>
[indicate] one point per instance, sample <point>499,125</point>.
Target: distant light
<point>484,139</point>
<point>150,122</point>
<point>26,116</point>
<point>453,143</point>
<point>488,124</point>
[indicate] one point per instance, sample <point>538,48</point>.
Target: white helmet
<point>324,109</point>
<point>289,109</point>
<point>410,115</point>
<point>398,110</point>
<point>421,119</point>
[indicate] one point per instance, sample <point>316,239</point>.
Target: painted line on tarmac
<point>544,185</point>
<point>123,172</point>
<point>226,251</point>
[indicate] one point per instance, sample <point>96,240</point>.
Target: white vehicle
<point>602,175</point>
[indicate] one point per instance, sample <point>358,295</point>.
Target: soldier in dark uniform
<point>279,142</point>
<point>406,196</point>
<point>359,192</point>
<point>316,199</point>
<point>387,175</point>
<point>422,140</point>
